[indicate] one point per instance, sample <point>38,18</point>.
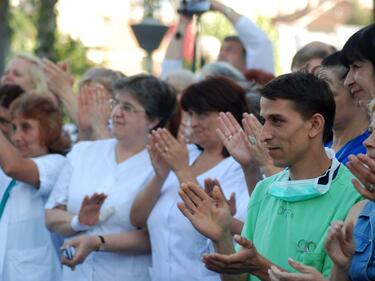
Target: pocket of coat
<point>32,265</point>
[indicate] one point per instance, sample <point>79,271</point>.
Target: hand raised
<point>363,167</point>
<point>244,261</point>
<point>161,167</point>
<point>340,245</point>
<point>173,152</point>
<point>209,185</point>
<point>233,138</point>
<point>210,216</point>
<point>90,209</point>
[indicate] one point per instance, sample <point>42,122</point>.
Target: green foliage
<point>74,52</point>
<point>216,24</point>
<point>24,38</point>
<point>360,15</point>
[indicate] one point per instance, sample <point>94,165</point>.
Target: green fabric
<point>5,197</point>
<point>281,229</point>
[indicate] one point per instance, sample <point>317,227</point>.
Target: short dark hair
<point>334,62</point>
<point>156,96</point>
<point>360,46</point>
<point>217,93</point>
<point>235,38</point>
<point>8,93</point>
<point>309,94</point>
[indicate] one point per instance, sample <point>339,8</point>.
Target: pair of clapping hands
<point>211,215</point>
<point>76,250</point>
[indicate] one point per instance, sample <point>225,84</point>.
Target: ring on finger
<point>371,187</point>
<point>252,140</point>
<point>229,137</point>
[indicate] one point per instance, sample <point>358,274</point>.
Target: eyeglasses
<point>124,106</point>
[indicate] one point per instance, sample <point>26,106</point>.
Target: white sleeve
<point>257,44</point>
<point>49,168</point>
<point>233,181</point>
<point>169,66</point>
<point>60,192</point>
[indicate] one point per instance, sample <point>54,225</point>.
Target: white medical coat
<point>92,168</point>
<point>177,247</point>
<point>27,252</point>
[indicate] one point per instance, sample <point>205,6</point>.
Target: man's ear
<point>317,125</point>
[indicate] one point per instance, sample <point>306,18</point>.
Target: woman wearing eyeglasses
<point>91,201</point>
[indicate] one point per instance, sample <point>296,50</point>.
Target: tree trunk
<point>46,26</point>
<point>4,32</point>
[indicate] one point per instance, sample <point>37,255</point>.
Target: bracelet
<point>77,226</point>
<point>102,243</point>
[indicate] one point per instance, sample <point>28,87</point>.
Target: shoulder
<point>50,160</point>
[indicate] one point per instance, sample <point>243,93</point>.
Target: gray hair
<point>221,68</point>
<point>105,76</point>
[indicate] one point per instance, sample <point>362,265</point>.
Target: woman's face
<point>18,72</point>
<point>129,119</point>
<point>346,107</point>
<point>361,81</point>
<point>204,127</point>
<point>26,137</point>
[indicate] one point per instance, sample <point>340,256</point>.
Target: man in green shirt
<point>289,213</point>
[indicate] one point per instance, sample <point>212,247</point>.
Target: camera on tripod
<point>194,7</point>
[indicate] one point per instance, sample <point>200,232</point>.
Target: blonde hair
<point>38,77</point>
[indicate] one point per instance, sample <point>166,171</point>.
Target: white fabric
<point>177,247</point>
<point>27,252</point>
<point>257,44</point>
<point>259,50</point>
<point>92,168</point>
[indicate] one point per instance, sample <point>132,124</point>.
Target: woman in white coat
<point>91,201</point>
<point>177,247</point>
<point>29,168</point>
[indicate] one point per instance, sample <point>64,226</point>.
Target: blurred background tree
<point>30,26</point>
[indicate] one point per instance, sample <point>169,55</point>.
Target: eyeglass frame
<point>124,107</point>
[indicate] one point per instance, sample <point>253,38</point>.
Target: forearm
<point>145,201</point>
<point>230,14</point>
<point>69,101</point>
<point>59,221</point>
<point>15,166</point>
<point>252,176</point>
<point>134,242</point>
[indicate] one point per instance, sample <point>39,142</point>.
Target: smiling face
<point>26,137</point>
<point>285,132</point>
<point>361,81</point>
<point>346,107</point>
<point>18,72</point>
<point>129,119</point>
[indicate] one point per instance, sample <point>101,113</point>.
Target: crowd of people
<point>230,174</point>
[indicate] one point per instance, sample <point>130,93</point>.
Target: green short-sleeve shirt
<point>281,229</point>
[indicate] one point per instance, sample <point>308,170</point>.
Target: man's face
<point>5,124</point>
<point>285,132</point>
<point>231,52</point>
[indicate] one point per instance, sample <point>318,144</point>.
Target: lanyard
<point>5,197</point>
